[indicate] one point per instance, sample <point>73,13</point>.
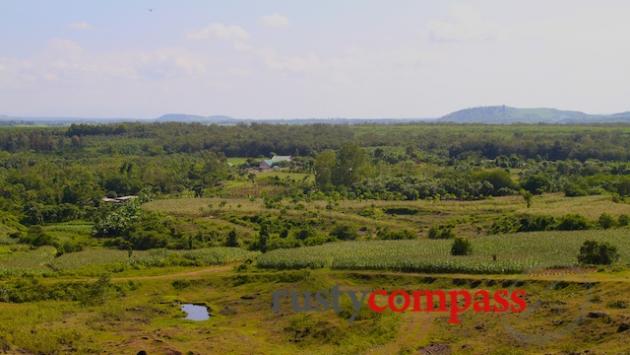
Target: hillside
<point>507,115</point>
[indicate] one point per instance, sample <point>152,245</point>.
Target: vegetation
<point>461,247</point>
<point>492,254</point>
<point>106,229</point>
<point>593,252</point>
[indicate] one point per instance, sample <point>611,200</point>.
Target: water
<point>195,312</point>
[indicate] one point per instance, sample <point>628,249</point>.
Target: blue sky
<point>285,59</point>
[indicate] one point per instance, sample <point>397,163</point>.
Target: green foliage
<point>499,178</point>
<point>441,232</point>
<point>573,222</point>
<point>340,169</point>
<point>461,246</point>
<point>117,222</point>
<point>324,167</point>
<point>387,234</point>
<point>536,223</point>
<point>536,184</point>
<point>574,190</point>
<point>527,197</point>
<point>623,220</point>
<point>232,239</point>
<point>36,236</point>
<point>606,221</point>
<point>181,284</point>
<point>344,232</point>
<point>597,253</point>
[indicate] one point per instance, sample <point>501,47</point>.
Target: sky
<point>304,59</point>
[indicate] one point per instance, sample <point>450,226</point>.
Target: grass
<point>98,260</point>
<point>470,218</point>
<point>515,253</point>
<point>76,231</point>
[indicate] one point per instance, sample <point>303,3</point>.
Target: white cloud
<point>80,26</point>
<point>220,31</point>
<point>275,21</point>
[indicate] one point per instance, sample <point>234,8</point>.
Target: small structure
<point>275,160</point>
<point>120,199</point>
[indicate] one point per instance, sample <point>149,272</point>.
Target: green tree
<point>527,197</point>
<point>232,239</point>
<point>461,246</point>
<point>606,221</point>
<point>594,253</point>
<point>324,166</point>
<point>351,165</point>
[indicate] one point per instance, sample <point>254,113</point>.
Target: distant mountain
<point>484,115</point>
<point>182,117</point>
<point>508,115</point>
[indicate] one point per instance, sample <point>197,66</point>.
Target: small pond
<point>195,312</point>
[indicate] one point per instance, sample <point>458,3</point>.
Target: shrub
<point>305,233</point>
<point>574,190</point>
<point>441,232</point>
<point>503,225</point>
<point>537,223</point>
<point>181,284</point>
<point>536,184</point>
<point>594,253</point>
<point>37,237</point>
<point>606,221</point>
<point>573,222</point>
<point>401,211</point>
<point>386,234</point>
<point>623,220</point>
<point>232,239</point>
<point>461,247</point>
<point>345,232</point>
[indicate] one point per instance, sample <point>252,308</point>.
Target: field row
<point>514,253</point>
<point>43,260</point>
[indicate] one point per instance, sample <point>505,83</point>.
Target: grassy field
<point>55,304</point>
<point>470,218</point>
<point>514,253</point>
<point>141,313</point>
<point>95,261</point>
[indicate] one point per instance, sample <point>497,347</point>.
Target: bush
<point>623,220</point>
<point>606,221</point>
<point>232,239</point>
<point>386,234</point>
<point>181,284</point>
<point>594,253</point>
<point>345,232</point>
<point>37,237</point>
<point>573,222</point>
<point>461,247</point>
<point>536,184</point>
<point>537,223</point>
<point>573,190</point>
<point>441,232</point>
<point>504,225</point>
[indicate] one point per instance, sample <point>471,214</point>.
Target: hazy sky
<point>295,58</point>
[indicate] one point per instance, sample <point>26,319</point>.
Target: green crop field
<point>514,253</point>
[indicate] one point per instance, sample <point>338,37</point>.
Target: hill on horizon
<point>508,115</point>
